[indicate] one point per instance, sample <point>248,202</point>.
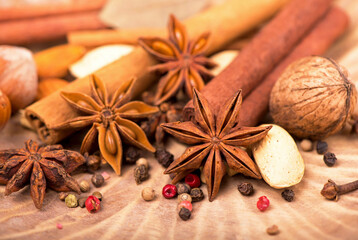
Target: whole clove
<point>332,191</point>
<point>288,195</point>
<point>141,174</point>
<point>329,159</point>
<point>164,157</point>
<point>245,188</point>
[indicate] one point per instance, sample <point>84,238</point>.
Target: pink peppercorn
<point>93,205</point>
<point>59,226</point>
<point>185,204</point>
<point>263,203</point>
<point>169,191</point>
<point>192,180</point>
<point>105,175</point>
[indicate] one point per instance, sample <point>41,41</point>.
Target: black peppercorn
<point>97,180</point>
<point>321,147</point>
<point>141,174</point>
<point>245,188</point>
<point>164,157</point>
<point>93,162</point>
<point>131,154</point>
<point>184,214</point>
<point>183,188</point>
<point>82,201</point>
<point>329,159</point>
<point>288,195</point>
<point>196,194</point>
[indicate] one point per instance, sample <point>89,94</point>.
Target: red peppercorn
<point>185,204</point>
<point>263,203</point>
<point>192,180</point>
<point>93,204</point>
<point>169,191</point>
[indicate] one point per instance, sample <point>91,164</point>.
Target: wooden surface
<point>124,215</point>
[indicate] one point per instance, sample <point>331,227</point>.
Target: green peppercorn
<point>71,201</point>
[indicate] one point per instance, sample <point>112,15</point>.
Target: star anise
<point>184,61</point>
<point>217,142</point>
<point>42,166</point>
<point>108,118</point>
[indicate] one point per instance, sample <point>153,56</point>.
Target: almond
<point>54,62</point>
<point>48,86</point>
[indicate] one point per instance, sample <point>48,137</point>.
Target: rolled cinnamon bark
<point>53,110</point>
<point>229,20</point>
<point>16,11</point>
<point>47,28</point>
<point>266,49</point>
<point>326,31</point>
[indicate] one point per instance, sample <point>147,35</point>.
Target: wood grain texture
<point>230,216</point>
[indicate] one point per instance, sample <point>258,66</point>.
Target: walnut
<point>313,98</point>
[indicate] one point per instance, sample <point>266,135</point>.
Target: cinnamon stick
<point>47,28</point>
<point>266,49</point>
<point>230,19</point>
<point>53,110</point>
<point>326,31</point>
<point>16,11</point>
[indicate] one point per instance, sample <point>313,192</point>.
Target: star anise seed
<point>183,61</point>
<point>41,166</point>
<point>110,119</point>
<point>217,141</point>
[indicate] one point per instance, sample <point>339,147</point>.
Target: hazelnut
<point>5,110</point>
<point>313,98</point>
<point>18,77</point>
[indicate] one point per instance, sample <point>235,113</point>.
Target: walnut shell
<point>313,98</point>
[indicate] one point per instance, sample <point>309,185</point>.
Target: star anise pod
<point>217,142</point>
<point>109,120</point>
<point>42,166</point>
<point>183,61</point>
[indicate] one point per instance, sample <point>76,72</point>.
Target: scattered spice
<point>196,194</point>
<point>105,175</point>
<point>332,191</point>
<point>306,145</point>
<point>192,180</point>
<point>164,157</point>
<point>40,167</point>
<point>169,191</point>
<point>110,119</point>
<point>71,201</point>
<point>132,154</point>
<point>84,186</point>
<point>82,201</point>
<point>245,188</point>
<point>206,134</point>
<point>273,230</point>
<point>93,205</point>
<point>288,195</point>
<point>148,194</point>
<point>62,195</point>
<point>59,226</point>
<point>97,180</point>
<point>329,159</point>
<point>98,195</point>
<point>184,197</point>
<point>142,161</point>
<point>185,204</point>
<point>184,214</point>
<point>183,188</point>
<point>140,174</point>
<point>93,162</point>
<point>321,147</point>
<point>263,203</point>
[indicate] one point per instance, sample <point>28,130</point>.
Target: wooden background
<point>124,215</point>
